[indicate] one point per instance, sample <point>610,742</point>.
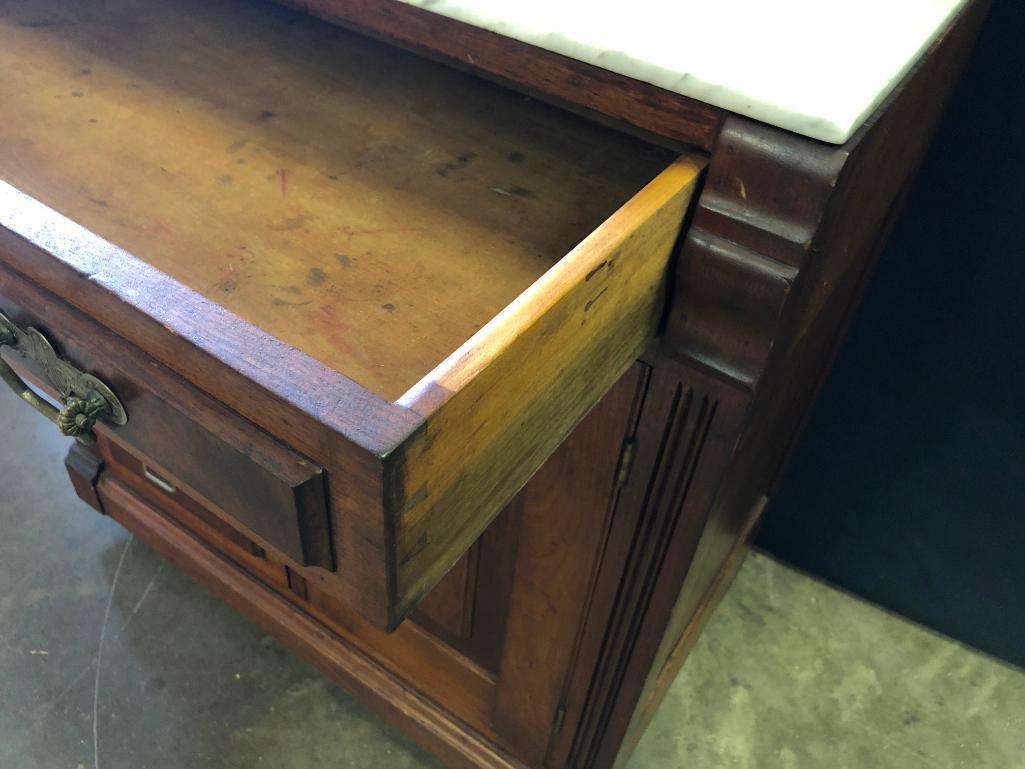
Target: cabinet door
<point>565,512</point>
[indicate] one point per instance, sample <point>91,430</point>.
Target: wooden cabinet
<point>471,401</point>
<point>419,288</point>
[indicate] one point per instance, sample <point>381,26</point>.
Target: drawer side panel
<point>502,403</point>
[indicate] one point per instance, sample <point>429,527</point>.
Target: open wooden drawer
<point>413,280</point>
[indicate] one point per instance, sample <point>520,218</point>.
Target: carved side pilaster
<point>752,235</point>
<point>743,260</point>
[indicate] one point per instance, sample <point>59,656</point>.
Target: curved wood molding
<point>753,230</point>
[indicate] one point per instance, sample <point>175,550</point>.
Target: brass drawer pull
<point>84,397</point>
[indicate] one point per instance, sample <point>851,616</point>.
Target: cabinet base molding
<point>340,661</point>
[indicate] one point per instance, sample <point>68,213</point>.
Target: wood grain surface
<point>551,540</point>
<point>501,404</point>
<point>600,94</point>
<point>621,573</point>
<point>368,207</point>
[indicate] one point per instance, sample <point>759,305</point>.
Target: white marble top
<point>816,67</point>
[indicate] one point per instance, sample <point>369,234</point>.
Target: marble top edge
<point>815,67</point>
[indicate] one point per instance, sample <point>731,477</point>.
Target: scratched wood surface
<point>370,208</point>
<point>499,406</point>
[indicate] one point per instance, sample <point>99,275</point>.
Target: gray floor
<point>111,659</point>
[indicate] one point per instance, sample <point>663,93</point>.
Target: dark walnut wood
<point>489,697</point>
<point>187,438</point>
<point>84,465</point>
<point>598,93</point>
<point>549,640</point>
<point>351,248</point>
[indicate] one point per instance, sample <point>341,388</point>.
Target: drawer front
<point>279,497</point>
<point>160,491</point>
<point>195,442</point>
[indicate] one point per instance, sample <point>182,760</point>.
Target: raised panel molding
<point>753,232</point>
<point>690,417</point>
<point>686,436</point>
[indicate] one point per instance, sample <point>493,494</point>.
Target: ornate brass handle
<point>84,397</point>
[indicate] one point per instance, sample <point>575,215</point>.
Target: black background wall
<point>909,485</point>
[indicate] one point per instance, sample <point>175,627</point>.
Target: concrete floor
<point>111,659</point>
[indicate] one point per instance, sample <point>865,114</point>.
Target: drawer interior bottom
<point>368,207</point>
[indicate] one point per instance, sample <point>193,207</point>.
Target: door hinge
<point>626,462</point>
<point>560,719</point>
